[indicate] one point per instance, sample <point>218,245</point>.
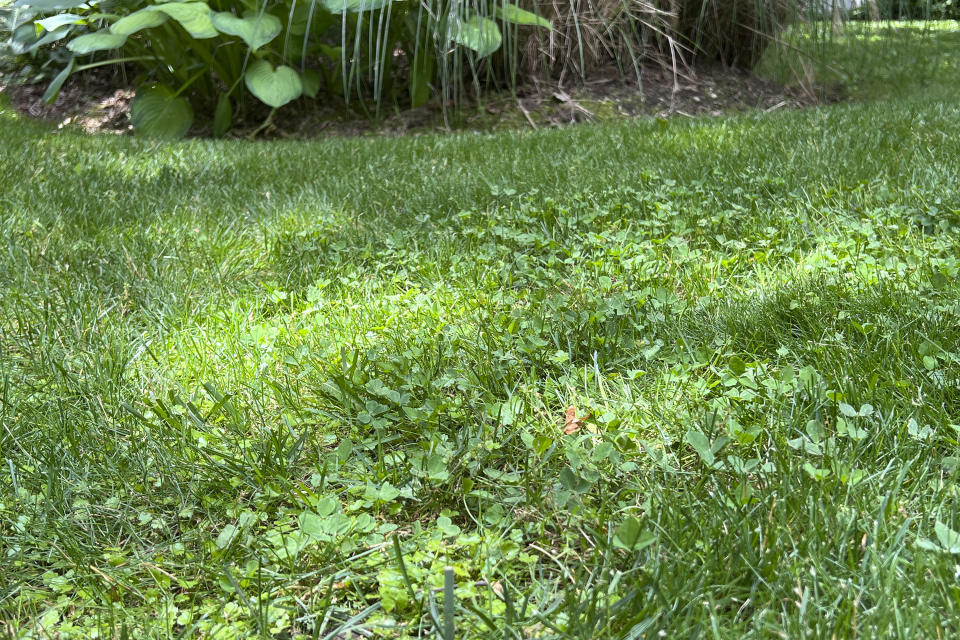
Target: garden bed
<point>100,102</point>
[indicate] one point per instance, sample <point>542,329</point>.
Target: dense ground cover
<point>274,389</point>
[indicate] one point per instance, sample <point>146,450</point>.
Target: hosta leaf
<point>52,36</point>
<point>274,87</point>
<point>23,38</point>
<point>310,80</point>
<point>343,6</point>
<point>50,5</point>
<point>157,112</point>
<point>97,41</point>
<point>137,21</point>
<point>53,89</point>
<point>480,34</point>
<point>55,22</point>
<point>254,29</point>
<point>512,13</point>
<point>192,16</point>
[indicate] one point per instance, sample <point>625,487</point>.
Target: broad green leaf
<point>324,527</point>
<point>365,523</point>
<point>254,29</point>
<point>816,473</point>
<point>344,6</point>
<point>480,34</point>
<point>51,37</point>
<point>274,87</point>
<point>737,365</point>
<point>949,539</point>
<point>311,524</point>
<point>50,5</point>
<point>137,21</point>
<point>157,113</point>
<point>226,536</point>
<point>385,492</point>
<point>338,524</point>
<point>570,481</point>
<point>310,80</point>
<point>326,506</point>
<point>332,53</point>
<point>928,545</point>
<point>55,22</point>
<point>700,444</point>
<point>437,467</point>
<point>222,116</point>
<point>97,41</point>
<point>512,13</point>
<point>632,536</point>
<point>847,410</point>
<point>446,526</point>
<point>192,16</point>
<point>53,89</point>
<point>24,38</point>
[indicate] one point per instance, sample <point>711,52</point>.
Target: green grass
<point>274,389</point>
<point>868,61</point>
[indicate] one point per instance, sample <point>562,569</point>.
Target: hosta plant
<point>206,56</point>
<point>191,54</point>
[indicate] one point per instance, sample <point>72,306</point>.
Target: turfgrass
<point>274,389</point>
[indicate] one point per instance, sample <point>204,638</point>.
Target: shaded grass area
<point>274,389</point>
<point>865,60</point>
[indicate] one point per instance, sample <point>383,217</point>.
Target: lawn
<point>274,389</point>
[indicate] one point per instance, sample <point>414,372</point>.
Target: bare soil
<point>100,103</point>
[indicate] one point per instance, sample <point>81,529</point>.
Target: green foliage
<point>479,34</point>
<point>24,50</point>
<point>259,390</point>
<point>158,112</point>
<point>276,50</point>
<point>910,10</point>
<point>274,87</point>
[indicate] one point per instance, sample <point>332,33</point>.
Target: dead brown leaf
<point>572,423</point>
